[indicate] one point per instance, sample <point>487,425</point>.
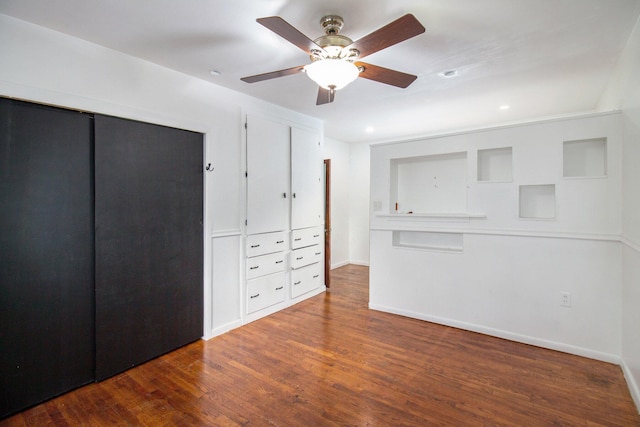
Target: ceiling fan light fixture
<point>332,74</point>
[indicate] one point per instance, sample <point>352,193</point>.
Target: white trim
<point>439,216</point>
<point>634,389</point>
<point>553,345</point>
<point>339,264</point>
<point>223,329</point>
<point>514,232</point>
<point>495,127</point>
<point>630,243</point>
<point>226,233</point>
<point>362,263</point>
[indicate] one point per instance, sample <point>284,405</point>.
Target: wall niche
<point>538,201</point>
<point>426,240</point>
<point>495,165</point>
<point>584,158</point>
<point>429,184</point>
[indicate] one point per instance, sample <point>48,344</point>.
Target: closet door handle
<point>255,246</point>
<point>299,258</point>
<point>254,296</point>
<point>254,267</point>
<point>297,283</point>
<point>284,195</point>
<point>280,288</point>
<point>280,261</point>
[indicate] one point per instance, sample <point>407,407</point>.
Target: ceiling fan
<point>335,59</point>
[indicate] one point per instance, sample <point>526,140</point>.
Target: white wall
<point>359,204</point>
<point>338,152</point>
<point>501,274</point>
<point>53,68</point>
<point>624,92</point>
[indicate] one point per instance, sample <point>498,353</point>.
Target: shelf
<point>433,217</point>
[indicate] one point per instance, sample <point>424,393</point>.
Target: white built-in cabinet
<point>307,192</point>
<point>267,175</point>
<point>284,215</point>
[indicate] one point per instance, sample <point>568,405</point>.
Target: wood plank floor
<point>329,361</point>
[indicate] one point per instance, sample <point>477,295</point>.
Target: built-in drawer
<point>267,243</point>
<point>265,291</point>
<point>306,256</point>
<point>306,237</point>
<point>265,264</point>
<point>306,279</point>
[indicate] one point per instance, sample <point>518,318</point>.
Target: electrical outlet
<point>565,299</point>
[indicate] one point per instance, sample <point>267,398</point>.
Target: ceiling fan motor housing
<point>332,24</point>
<point>333,43</point>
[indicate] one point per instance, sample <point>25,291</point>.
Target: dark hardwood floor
<point>329,361</point>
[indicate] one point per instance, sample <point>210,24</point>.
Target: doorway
<point>327,222</point>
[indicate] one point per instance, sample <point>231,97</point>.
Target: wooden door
<point>46,253</point>
<point>149,241</point>
<point>327,222</point>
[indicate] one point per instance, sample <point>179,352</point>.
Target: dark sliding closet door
<point>46,253</point>
<point>149,247</point>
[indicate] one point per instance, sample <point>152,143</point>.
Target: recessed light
<point>369,129</point>
<point>504,107</point>
<point>215,72</point>
<point>449,73</point>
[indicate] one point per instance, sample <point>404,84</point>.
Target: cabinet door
<point>306,179</point>
<point>267,175</point>
<point>46,253</point>
<point>149,241</point>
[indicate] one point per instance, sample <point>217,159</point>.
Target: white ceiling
<point>541,57</point>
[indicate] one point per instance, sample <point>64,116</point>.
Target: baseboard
<point>339,264</point>
<point>222,329</point>
<point>634,387</point>
<point>362,263</point>
<point>525,339</point>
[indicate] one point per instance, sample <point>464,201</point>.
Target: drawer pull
<point>316,276</point>
<point>280,262</point>
<point>316,235</point>
<point>318,253</point>
<point>297,283</point>
<point>280,288</point>
<point>254,267</point>
<point>255,246</point>
<point>279,241</point>
<point>254,296</point>
<point>298,239</point>
<point>299,258</point>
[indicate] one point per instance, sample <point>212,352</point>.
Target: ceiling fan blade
<point>385,75</point>
<point>397,31</point>
<point>289,33</point>
<point>325,96</point>
<point>273,74</point>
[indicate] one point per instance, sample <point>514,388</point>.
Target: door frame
<point>327,222</point>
